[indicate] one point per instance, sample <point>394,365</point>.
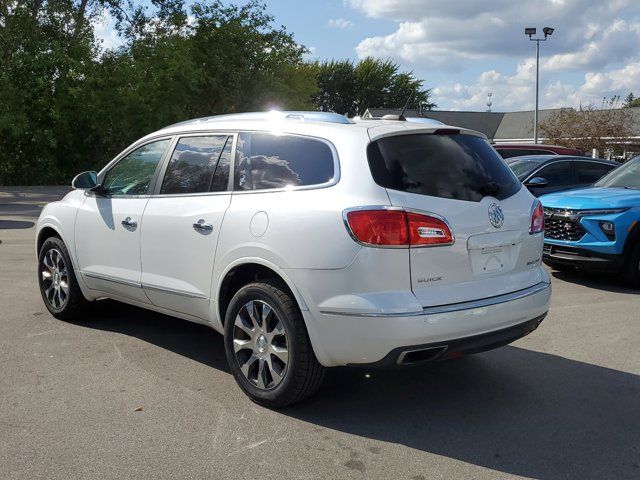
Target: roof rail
<point>428,121</point>
<point>272,115</point>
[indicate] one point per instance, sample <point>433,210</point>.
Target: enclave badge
<point>496,217</point>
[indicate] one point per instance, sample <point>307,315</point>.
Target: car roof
<point>533,146</point>
<point>554,158</point>
<point>300,122</point>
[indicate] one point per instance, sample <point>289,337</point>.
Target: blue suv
<point>598,227</point>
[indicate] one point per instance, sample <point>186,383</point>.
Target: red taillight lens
<point>537,220</point>
<point>428,230</point>
<point>398,228</point>
<point>379,227</point>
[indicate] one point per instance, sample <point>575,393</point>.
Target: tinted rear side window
<point>591,172</point>
<point>557,174</point>
<point>461,167</point>
<point>198,164</point>
<point>277,161</point>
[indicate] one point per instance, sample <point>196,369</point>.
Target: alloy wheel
<point>260,344</point>
<point>55,278</point>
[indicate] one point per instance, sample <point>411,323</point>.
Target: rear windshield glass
<point>462,167</point>
<point>522,168</point>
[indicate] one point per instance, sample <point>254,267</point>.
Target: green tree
<point>632,101</point>
<point>67,105</point>
<point>345,87</point>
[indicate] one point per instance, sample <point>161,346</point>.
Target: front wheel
<point>57,280</point>
<point>267,346</point>
<point>632,269</point>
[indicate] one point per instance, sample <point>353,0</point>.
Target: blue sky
<point>464,49</point>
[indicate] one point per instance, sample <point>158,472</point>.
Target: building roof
<point>497,126</point>
<point>485,122</point>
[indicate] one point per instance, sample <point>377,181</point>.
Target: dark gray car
<point>553,173</point>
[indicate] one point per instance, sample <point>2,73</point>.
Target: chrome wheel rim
<point>55,278</point>
<point>260,345</point>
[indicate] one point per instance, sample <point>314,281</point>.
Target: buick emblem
<point>496,217</point>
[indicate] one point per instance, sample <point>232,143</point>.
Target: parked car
<point>597,228</point>
<point>553,173</point>
<point>508,150</point>
<point>308,240</point>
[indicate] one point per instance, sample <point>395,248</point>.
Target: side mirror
<point>85,181</point>
<point>538,182</point>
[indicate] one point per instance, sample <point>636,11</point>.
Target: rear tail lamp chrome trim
<point>382,226</point>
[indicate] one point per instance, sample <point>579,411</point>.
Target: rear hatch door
<point>458,176</point>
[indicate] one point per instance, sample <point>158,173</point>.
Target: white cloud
<point>340,23</point>
<point>105,31</point>
<point>596,38</point>
<point>516,92</point>
<point>588,32</point>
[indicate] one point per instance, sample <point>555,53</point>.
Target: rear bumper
<point>582,258</point>
<point>466,328</point>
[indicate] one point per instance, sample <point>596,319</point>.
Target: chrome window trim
<point>456,307</point>
<point>331,182</point>
<point>345,220</point>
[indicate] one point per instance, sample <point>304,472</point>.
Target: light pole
<point>531,31</point>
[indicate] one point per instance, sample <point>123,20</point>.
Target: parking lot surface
<point>129,393</point>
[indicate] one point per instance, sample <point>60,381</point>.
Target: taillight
<point>379,227</point>
<point>537,219</point>
<point>397,228</point>
<point>428,230</point>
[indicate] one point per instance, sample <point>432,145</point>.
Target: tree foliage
<point>589,127</point>
<point>632,101</point>
<point>68,105</point>
<point>346,87</point>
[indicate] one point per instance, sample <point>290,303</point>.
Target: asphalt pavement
<point>128,393</point>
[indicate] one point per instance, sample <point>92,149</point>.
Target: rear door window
<point>198,164</point>
<point>459,166</point>
<point>266,161</point>
<point>590,172</point>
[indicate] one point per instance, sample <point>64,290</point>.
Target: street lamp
<point>531,31</point>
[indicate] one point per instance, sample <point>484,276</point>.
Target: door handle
<point>128,223</point>
<point>202,226</point>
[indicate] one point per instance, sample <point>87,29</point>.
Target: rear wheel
<point>57,280</point>
<point>267,346</point>
<point>632,269</point>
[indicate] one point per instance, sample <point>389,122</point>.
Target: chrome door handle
<point>202,226</point>
<point>128,223</point>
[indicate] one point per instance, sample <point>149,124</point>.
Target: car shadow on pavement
<point>512,410</point>
<point>197,342</point>
<point>599,281</point>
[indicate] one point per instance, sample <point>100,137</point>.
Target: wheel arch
<point>244,271</point>
<point>46,231</point>
<point>633,239</point>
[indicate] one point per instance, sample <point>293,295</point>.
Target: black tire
<point>302,374</point>
<point>70,304</point>
<point>632,268</point>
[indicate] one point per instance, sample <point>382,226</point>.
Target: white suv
<point>307,239</point>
